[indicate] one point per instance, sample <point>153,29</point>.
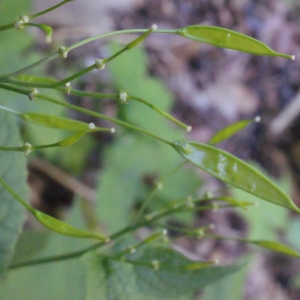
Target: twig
<point>286,117</point>
<point>65,180</point>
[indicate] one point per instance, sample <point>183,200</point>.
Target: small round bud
<point>189,129</point>
<point>293,57</point>
<point>154,27</point>
<point>27,148</point>
<point>159,185</point>
<point>68,86</point>
<point>92,126</point>
<point>19,24</point>
<point>24,18</point>
<point>48,39</point>
<point>164,232</point>
<point>112,130</point>
<point>33,92</point>
<point>155,264</point>
<point>99,63</point>
<point>257,119</point>
<point>131,250</point>
<point>63,51</point>
<point>123,96</point>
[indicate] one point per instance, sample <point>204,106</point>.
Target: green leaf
<point>233,171</point>
<point>66,156</point>
<point>63,280</point>
<point>275,246</point>
<point>54,122</point>
<point>40,135</point>
<point>50,222</point>
<point>63,228</point>
<point>116,279</point>
<point>12,164</point>
<point>225,38</point>
<point>228,288</point>
<point>36,79</point>
<point>293,232</point>
<point>242,204</point>
<point>13,170</point>
<point>262,224</point>
<point>131,156</point>
<point>44,27</point>
<point>72,139</point>
<point>138,83</point>
<point>47,29</point>
<point>121,182</point>
<point>229,131</point>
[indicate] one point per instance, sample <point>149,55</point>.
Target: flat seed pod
<point>233,171</point>
<point>229,39</point>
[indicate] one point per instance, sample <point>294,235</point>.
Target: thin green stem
<point>84,71</point>
<point>33,25</point>
<point>7,26</point>
<point>56,258</point>
<point>149,239</point>
<point>81,43</point>
<point>47,84</point>
<point>163,113</point>
<point>126,31</point>
<point>184,208</point>
<point>101,116</point>
<point>32,148</point>
<point>157,187</point>
<point>72,255</point>
<point>87,94</point>
<point>116,97</point>
<point>129,46</point>
<point>85,111</point>
<point>112,237</point>
<point>28,84</point>
<point>74,76</point>
<point>32,66</point>
<point>12,111</point>
<point>15,89</point>
<point>15,195</point>
<point>49,9</point>
<point>17,149</point>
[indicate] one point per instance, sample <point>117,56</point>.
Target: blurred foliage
<point>133,157</point>
<point>60,280</point>
<point>228,288</point>
<point>134,166</point>
<point>265,219</point>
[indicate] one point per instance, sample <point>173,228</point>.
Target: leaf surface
<point>228,131</point>
<point>115,279</point>
<point>226,38</point>
<point>64,280</point>
<point>13,171</point>
<point>233,171</point>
